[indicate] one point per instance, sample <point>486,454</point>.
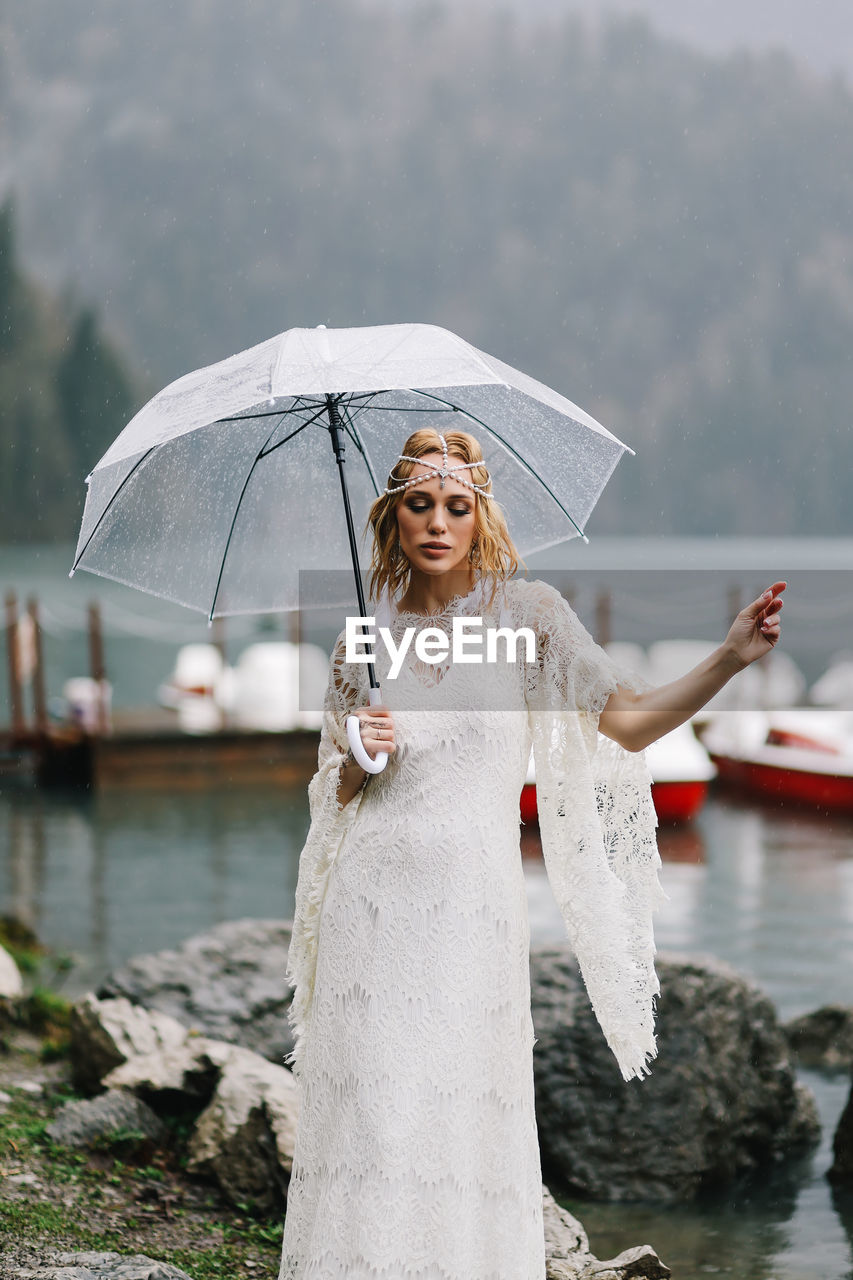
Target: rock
<point>567,1255</point>
<point>95,1266</point>
<point>27,1086</point>
<point>823,1039</point>
<point>842,1147</point>
<point>641,1263</point>
<point>722,1100</point>
<point>245,1137</point>
<point>11,983</point>
<point>79,1124</point>
<point>106,1033</point>
<point>228,983</point>
<point>179,1078</point>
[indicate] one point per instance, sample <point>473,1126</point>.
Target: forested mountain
<point>662,235</point>
<point>62,388</point>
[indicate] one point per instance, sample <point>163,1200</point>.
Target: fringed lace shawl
<point>597,822</point>
<point>596,817</point>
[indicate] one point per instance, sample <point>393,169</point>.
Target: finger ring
<point>379,733</point>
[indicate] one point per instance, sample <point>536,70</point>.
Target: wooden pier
<point>146,752</point>
<point>130,749</point>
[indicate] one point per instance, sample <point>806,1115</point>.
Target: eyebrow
<point>414,492</point>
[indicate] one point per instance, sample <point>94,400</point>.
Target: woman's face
<point>437,526</point>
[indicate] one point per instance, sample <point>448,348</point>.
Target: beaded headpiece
<point>443,472</point>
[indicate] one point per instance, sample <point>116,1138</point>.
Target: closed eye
<point>424,506</point>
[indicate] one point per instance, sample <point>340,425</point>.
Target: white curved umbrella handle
<point>354,736</point>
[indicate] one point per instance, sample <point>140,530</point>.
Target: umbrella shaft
<point>337,435</point>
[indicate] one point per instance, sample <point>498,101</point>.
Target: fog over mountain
<point>818,33</point>
<point>661,233</point>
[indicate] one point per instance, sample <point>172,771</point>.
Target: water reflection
<point>108,876</point>
<point>682,842</point>
<point>784,1224</point>
<point>842,1202</point>
<point>25,863</point>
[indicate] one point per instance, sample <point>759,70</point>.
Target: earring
<point>474,552</point>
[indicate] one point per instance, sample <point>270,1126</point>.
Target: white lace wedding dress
<point>417,1155</point>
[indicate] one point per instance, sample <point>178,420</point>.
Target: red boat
<point>681,771</point>
<point>800,757</point>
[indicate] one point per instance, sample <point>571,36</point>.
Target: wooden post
<point>96,662</point>
<point>217,637</point>
<point>602,618</point>
<point>294,626</point>
<point>16,697</point>
<point>732,603</point>
<point>39,697</point>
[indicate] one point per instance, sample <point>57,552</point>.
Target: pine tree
<point>11,285</point>
<point>64,395</point>
<point>95,395</point>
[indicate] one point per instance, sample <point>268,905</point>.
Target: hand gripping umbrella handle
<point>354,736</point>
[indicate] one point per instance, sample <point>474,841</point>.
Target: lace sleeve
<point>571,671</point>
<point>330,821</point>
<point>597,822</point>
<point>344,693</point>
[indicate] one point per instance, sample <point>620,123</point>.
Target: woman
<point>417,1154</point>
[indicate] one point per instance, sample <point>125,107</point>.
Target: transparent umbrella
<point>224,487</point>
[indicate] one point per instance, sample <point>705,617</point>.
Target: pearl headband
<point>442,472</point>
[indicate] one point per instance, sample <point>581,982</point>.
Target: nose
<point>437,520</point>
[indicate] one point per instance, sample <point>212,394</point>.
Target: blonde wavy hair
<point>495,557</point>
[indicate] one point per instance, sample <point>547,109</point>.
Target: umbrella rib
<point>265,452</point>
<point>255,462</point>
<point>396,408</point>
<point>353,433</point>
<point>510,449</point>
<point>301,402</point>
<point>130,473</point>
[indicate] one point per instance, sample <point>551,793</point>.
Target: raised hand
<point>756,629</point>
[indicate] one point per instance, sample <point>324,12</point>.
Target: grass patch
<point>36,962</point>
<point>58,1226</point>
<point>47,1015</point>
<point>124,1195</point>
<point>22,944</point>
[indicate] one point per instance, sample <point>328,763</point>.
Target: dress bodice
<point>461,727</point>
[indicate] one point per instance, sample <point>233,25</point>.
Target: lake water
<point>104,877</point>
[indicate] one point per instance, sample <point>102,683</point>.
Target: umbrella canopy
<point>224,486</point>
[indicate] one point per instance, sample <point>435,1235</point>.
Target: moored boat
<point>681,770</point>
<point>803,756</point>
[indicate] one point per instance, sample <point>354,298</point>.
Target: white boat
<point>835,686</point>
<point>274,686</point>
